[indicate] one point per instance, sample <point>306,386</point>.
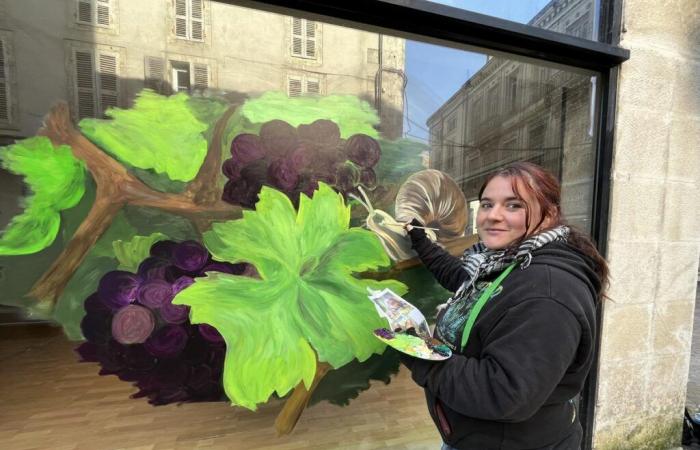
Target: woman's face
<point>502,216</point>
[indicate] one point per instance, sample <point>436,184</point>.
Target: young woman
<point>520,362</point>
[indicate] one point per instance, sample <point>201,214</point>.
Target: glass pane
<point>225,175</point>
<point>578,18</point>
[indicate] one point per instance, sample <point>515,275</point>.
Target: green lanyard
<point>485,296</point>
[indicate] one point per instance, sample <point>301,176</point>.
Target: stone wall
<point>654,239</point>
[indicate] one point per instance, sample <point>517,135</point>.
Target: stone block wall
<point>654,230</point>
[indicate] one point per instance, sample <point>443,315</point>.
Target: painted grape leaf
<point>307,301</point>
<point>400,159</point>
<point>57,182</point>
<point>160,133</point>
<point>130,253</point>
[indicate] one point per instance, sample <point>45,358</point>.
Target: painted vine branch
<point>116,188</point>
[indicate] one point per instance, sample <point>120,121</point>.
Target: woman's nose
<point>495,213</point>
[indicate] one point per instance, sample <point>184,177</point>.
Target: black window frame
<point>420,19</point>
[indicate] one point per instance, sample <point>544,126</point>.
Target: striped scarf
<point>479,261</point>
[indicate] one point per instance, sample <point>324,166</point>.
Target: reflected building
<point>514,111</point>
<point>100,53</point>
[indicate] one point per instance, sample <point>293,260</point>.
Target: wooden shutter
<point>85,83</point>
<point>154,73</point>
<point>108,80</point>
<point>297,37</point>
<point>181,19</point>
<point>201,76</point>
<point>310,39</point>
<point>4,85</point>
<point>294,86</point>
<point>197,20</point>
<point>313,86</point>
<point>103,12</point>
<point>85,11</point>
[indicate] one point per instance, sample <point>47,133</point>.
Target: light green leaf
<point>131,253</point>
<point>57,182</point>
<point>160,133</point>
<point>308,303</point>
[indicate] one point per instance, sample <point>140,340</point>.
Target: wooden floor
<point>50,401</point>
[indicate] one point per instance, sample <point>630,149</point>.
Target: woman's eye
<point>514,206</point>
<point>484,205</point>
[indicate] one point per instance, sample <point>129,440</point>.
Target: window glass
<point>203,130</point>
<point>577,18</point>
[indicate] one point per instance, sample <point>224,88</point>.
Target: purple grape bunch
<point>133,330</point>
<point>294,160</point>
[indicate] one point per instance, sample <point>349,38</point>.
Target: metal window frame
<point>427,21</point>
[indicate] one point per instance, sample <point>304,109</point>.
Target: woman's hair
<point>542,186</point>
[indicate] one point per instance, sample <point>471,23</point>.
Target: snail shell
<point>436,200</point>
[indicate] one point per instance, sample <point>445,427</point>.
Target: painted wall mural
<point>209,250</point>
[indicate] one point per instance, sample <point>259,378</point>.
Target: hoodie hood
<point>564,256</point>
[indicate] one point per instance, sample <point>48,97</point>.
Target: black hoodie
<point>528,354</point>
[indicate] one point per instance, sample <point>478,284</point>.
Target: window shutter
<point>294,87</point>
<point>197,21</point>
<point>4,97</point>
<point>103,12</point>
<point>84,84</point>
<point>108,79</point>
<point>313,86</point>
<point>310,39</point>
<point>181,18</point>
<point>297,39</point>
<point>201,76</point>
<point>154,68</point>
<point>85,11</point>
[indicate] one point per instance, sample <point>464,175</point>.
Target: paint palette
<point>414,345</point>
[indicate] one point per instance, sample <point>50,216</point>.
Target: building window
<point>535,139</point>
<point>189,20</point>
<point>451,124</point>
<point>492,99</point>
<point>186,76</point>
<point>5,113</point>
<point>94,12</point>
<point>95,81</point>
<point>450,157</point>
<point>298,85</point>
<point>304,38</point>
<point>512,94</point>
<point>154,73</point>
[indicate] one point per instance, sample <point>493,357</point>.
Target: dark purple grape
<point>368,178</point>
<point>175,314</point>
<point>348,176</point>
<point>139,359</point>
<point>154,293</point>
<point>153,268</point>
<point>118,288</point>
<point>278,138</point>
<point>241,193</point>
<point>190,256</point>
<point>163,249</point>
<point>322,132</point>
<point>300,157</point>
<point>94,304</point>
<point>255,173</point>
<point>232,169</point>
<point>181,283</point>
<point>132,324</point>
<point>88,351</point>
<point>246,148</point>
<point>283,175</point>
<point>363,150</point>
<point>210,333</point>
<point>167,342</point>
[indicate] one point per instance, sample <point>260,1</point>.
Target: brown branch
<point>291,411</point>
<point>115,188</point>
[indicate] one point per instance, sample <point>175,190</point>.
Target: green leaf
<point>400,159</point>
<point>57,182</point>
<point>308,303</point>
<point>160,133</point>
<point>131,253</point>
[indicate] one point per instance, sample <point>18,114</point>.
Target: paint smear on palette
<point>413,345</point>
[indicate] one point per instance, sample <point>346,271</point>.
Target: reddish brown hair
<point>544,188</point>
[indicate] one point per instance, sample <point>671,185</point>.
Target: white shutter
<point>313,86</point>
<point>201,76</point>
<point>4,85</point>
<point>197,20</point>
<point>85,11</point>
<point>103,12</point>
<point>181,18</point>
<point>84,83</point>
<point>108,80</point>
<point>310,39</point>
<point>297,38</point>
<point>294,86</point>
<point>154,72</point>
